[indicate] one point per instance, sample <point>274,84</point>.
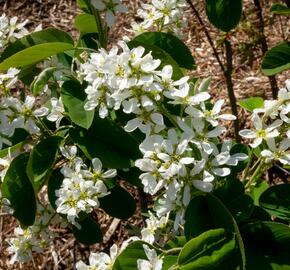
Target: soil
<point>64,252</point>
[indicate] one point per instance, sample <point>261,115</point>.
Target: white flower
<point>110,7</point>
<point>27,114</point>
<point>99,261</point>
<point>153,262</point>
<point>57,111</point>
<point>162,15</point>
<point>152,225</point>
<point>97,172</point>
<point>261,131</point>
<point>10,30</point>
<point>280,154</point>
<point>212,115</point>
<point>8,80</point>
<point>183,96</point>
<point>78,195</point>
<point>32,239</point>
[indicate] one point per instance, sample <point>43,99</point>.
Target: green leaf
<point>128,258</point>
<point>50,35</point>
<point>257,190</point>
<point>111,133</point>
<point>207,250</point>
<point>41,160</point>
<point>83,5</point>
<point>267,245</point>
<point>54,183</point>
<point>41,80</point>
<point>170,44</point>
<point>178,241</point>
<point>4,152</point>
<point>158,53</point>
<point>267,233</point>
<point>34,54</point>
<point>74,99</point>
<point>241,208</point>
<point>169,261</point>
<point>252,103</point>
<point>224,14</point>
<point>206,212</point>
<point>86,23</point>
<point>276,201</point>
<point>17,188</point>
<point>280,9</point>
<point>90,232</point>
<point>276,59</point>
<point>93,146</point>
<point>119,203</point>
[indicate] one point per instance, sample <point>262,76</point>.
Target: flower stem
<point>258,172</point>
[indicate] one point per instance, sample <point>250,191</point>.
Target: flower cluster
<point>81,187</point>
<point>175,159</point>
<point>271,128</point>
<point>34,238</point>
<point>161,16</point>
<point>10,30</point>
<point>16,114</point>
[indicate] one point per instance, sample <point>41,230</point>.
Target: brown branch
<point>207,35</point>
<point>264,46</point>
<point>227,71</point>
<point>230,86</point>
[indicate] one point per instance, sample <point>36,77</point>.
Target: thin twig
<point>264,46</point>
<point>227,71</point>
<point>196,13</point>
<point>230,86</point>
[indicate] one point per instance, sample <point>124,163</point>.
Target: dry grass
<point>247,77</point>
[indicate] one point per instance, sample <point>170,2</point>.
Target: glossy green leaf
<point>158,53</point>
<point>252,103</point>
<point>276,200</point>
<point>267,245</point>
<point>17,188</point>
<point>170,44</point>
<point>128,258</point>
<point>257,190</point>
<point>86,23</point>
<point>119,203</point>
<point>224,14</point>
<point>241,208</point>
<point>34,54</point>
<point>93,146</point>
<point>207,250</point>
<point>112,133</point>
<point>277,59</point>
<point>41,160</point>
<point>178,241</point>
<point>41,80</point>
<point>90,232</point>
<point>74,99</point>
<point>206,212</point>
<point>280,9</point>
<point>169,261</point>
<point>49,35</point>
<point>54,183</point>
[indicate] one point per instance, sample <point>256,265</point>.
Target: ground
<point>248,81</point>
